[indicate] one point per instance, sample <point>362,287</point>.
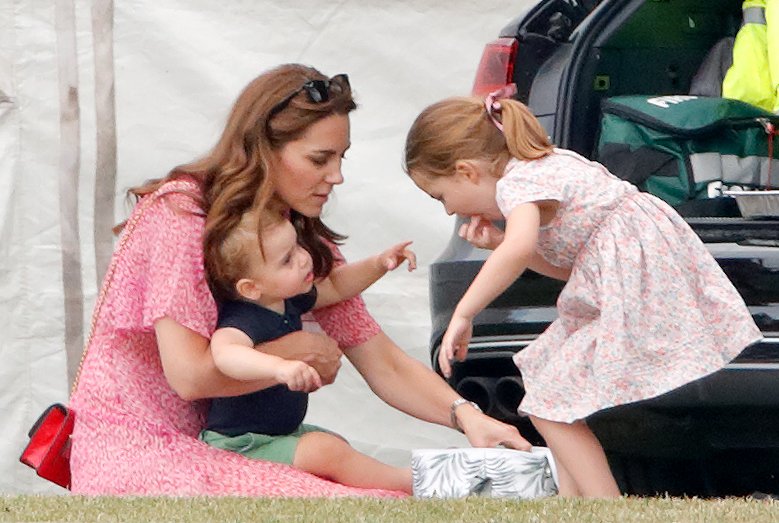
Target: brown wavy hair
<point>459,128</point>
<point>233,177</point>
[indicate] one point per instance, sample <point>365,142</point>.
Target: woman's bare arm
<point>411,387</point>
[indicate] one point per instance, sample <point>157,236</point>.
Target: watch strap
<point>453,411</point>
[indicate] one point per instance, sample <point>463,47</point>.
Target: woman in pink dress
<point>139,401</point>
<point>644,303</point>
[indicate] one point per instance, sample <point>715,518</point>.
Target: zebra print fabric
<point>493,472</point>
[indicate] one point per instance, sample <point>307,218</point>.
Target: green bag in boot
<point>683,148</point>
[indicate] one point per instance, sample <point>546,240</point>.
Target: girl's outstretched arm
<point>506,263</point>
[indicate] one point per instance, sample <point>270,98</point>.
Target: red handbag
<point>48,451</point>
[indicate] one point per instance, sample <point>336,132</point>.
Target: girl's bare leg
<point>330,457</point>
<point>578,452</point>
<point>567,486</point>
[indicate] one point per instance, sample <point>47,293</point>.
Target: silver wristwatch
<point>453,411</point>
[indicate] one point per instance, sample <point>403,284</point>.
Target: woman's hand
<point>484,431</point>
<point>316,349</point>
<point>455,343</point>
<point>412,387</point>
<point>391,259</point>
<point>481,232</point>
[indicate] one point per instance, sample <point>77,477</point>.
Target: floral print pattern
<point>647,309</point>
<point>133,435</point>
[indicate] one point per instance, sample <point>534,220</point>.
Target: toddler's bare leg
<point>579,454</point>
<point>330,457</point>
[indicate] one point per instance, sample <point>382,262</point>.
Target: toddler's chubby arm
<point>349,280</point>
<point>235,356</point>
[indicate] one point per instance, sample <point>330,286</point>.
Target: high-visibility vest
<point>749,79</point>
<point>772,27</point>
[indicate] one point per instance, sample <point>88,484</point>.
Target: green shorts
<point>280,449</point>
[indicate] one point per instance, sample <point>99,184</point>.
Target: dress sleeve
<point>524,183</point>
<point>347,322</point>
<point>160,272</point>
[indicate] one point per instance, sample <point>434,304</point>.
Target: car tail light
<point>496,67</point>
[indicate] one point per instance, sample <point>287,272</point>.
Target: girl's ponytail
<point>460,128</point>
<point>526,139</point>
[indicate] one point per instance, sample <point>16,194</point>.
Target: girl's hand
<point>392,258</point>
<point>455,343</point>
<point>298,376</point>
<point>481,232</point>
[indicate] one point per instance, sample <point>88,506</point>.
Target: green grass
<point>110,509</point>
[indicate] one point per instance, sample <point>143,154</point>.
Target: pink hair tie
<point>492,104</point>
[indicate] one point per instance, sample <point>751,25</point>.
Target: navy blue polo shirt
<point>276,410</point>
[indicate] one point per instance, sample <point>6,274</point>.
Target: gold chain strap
<point>128,229</point>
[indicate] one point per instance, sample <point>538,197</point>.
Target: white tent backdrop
<point>176,68</point>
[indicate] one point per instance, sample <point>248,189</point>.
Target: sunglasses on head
<point>317,92</point>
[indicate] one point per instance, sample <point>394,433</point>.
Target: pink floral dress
<point>133,435</point>
<point>646,309</point>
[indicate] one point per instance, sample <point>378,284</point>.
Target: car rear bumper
<point>736,407</point>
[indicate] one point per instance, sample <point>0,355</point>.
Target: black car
<point>714,437</point>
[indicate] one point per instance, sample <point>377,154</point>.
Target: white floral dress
<point>646,309</point>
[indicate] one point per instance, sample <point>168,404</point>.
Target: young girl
<point>646,308</point>
<point>264,284</point>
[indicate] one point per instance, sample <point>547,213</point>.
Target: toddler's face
<point>286,270</point>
